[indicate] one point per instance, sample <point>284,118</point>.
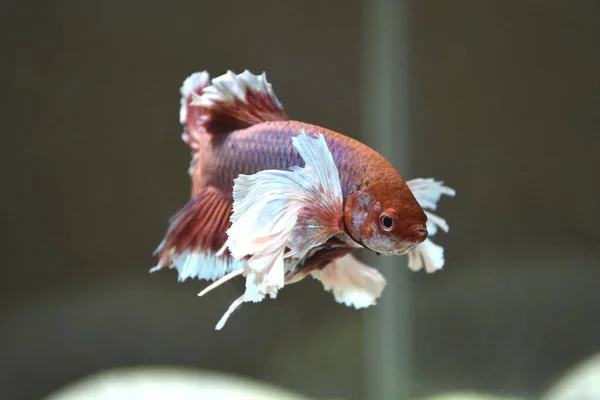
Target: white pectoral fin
<point>429,191</point>
<point>262,222</point>
<point>352,282</point>
<point>428,254</point>
<point>266,209</point>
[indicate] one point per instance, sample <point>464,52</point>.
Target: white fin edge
<point>429,191</point>
<point>428,254</point>
<point>205,266</point>
<point>352,282</point>
<point>229,87</point>
<point>190,85</point>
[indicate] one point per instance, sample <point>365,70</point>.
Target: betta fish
<point>276,200</point>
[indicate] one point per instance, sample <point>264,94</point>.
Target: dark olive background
<point>504,106</point>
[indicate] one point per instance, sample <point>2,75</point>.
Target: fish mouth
<point>415,234</point>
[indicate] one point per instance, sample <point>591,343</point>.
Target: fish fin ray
<point>233,102</point>
<point>195,235</point>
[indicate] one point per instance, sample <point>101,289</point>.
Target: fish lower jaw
<point>398,251</point>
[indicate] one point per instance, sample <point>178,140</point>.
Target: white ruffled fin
<point>352,282</point>
<point>429,191</point>
<point>267,206</point>
<point>428,254</point>
<point>193,84</point>
<point>264,214</point>
<point>189,116</point>
<point>204,266</point>
<point>234,102</point>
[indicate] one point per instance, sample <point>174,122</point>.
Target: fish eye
<point>387,222</point>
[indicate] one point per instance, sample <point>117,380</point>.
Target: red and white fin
<point>266,210</point>
<point>227,103</point>
<point>233,102</point>
<point>195,235</point>
<point>189,116</point>
<point>428,254</point>
<point>352,282</point>
<point>193,84</point>
<point>322,216</point>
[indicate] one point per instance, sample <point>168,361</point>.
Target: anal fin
<point>324,255</point>
<point>196,233</point>
<point>351,282</point>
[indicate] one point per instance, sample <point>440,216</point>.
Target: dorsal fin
<point>233,102</point>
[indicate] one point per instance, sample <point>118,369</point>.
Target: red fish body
<point>268,145</point>
<point>252,165</point>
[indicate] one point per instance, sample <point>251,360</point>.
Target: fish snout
<point>416,233</point>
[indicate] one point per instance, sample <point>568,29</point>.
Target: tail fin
<point>196,233</point>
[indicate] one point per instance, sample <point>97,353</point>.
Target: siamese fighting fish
<point>276,200</point>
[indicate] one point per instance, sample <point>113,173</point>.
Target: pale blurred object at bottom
<point>468,396</point>
<point>150,383</point>
<point>169,383</point>
<point>580,383</point>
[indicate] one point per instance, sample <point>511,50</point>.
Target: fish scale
<point>269,146</point>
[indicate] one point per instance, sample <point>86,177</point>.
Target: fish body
<point>275,199</point>
<point>268,145</point>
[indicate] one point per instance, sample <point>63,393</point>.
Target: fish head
<point>389,222</point>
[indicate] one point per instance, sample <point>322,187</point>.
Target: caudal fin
<point>196,233</point>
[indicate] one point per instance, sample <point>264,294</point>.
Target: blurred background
<point>500,99</point>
